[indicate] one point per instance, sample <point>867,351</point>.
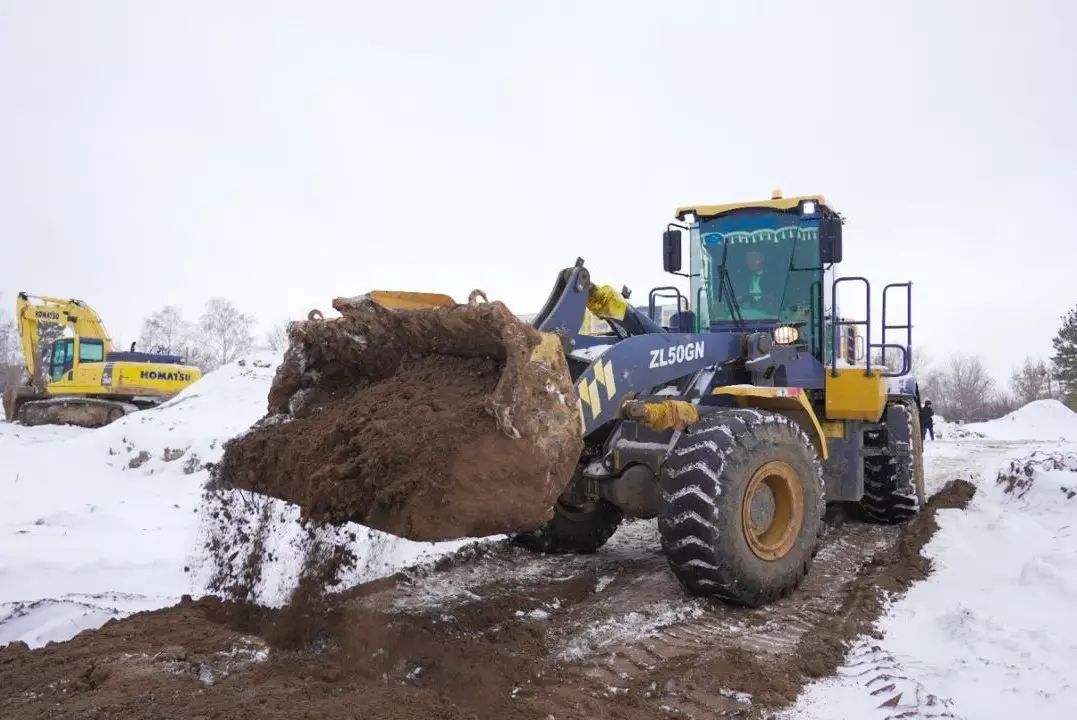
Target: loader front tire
<point>582,529</point>
<point>715,543</point>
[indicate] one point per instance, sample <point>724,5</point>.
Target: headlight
<point>786,335</point>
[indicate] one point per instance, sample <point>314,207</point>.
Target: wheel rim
<point>774,539</point>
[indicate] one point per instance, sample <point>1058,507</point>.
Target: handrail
<point>836,325</point>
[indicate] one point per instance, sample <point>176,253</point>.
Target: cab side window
<point>91,351</point>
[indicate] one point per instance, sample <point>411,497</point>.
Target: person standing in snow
<point>927,421</point>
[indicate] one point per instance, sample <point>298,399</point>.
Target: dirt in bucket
<point>430,425</point>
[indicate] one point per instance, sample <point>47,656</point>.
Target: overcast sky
<point>279,154</point>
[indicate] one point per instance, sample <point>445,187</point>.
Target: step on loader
<point>734,425</point>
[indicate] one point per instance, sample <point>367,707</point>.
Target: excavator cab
<point>66,354</point>
<point>61,359</point>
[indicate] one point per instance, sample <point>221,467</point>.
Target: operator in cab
<point>760,282</point>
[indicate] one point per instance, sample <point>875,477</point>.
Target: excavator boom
<point>82,319</point>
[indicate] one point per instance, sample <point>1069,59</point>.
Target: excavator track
<point>79,411</point>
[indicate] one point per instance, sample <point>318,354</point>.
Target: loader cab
<point>760,266</point>
<point>770,267</point>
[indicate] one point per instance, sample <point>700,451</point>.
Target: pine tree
<point>1065,357</point>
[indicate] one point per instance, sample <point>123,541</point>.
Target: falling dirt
<point>494,632</point>
<point>430,425</point>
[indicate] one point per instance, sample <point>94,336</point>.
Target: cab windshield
<point>760,265</point>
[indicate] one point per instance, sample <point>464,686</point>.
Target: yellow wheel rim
<point>777,482</point>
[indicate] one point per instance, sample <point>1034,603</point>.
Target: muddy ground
<point>490,633</point>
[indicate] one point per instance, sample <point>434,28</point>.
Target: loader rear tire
<point>711,539</point>
<point>573,529</point>
<point>894,482</point>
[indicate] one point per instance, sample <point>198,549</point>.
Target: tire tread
<point>694,523</point>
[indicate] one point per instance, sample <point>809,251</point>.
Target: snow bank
<point>955,431</point>
<point>992,632</point>
<point>1039,420</point>
<point>97,524</point>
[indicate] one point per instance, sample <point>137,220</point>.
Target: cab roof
<point>776,202</point>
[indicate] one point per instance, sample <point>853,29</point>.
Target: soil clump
<point>427,424</point>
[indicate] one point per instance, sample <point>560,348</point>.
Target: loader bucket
<point>417,416</point>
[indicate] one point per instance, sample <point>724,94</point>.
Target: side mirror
<point>830,239</point>
<point>671,251</point>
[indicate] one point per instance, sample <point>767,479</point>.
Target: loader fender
<point>789,401</point>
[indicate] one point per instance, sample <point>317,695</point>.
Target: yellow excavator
<point>79,379</point>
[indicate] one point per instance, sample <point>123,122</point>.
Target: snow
<point>630,627</point>
<point>98,524</point>
<point>1039,420</point>
<point>590,354</point>
<point>991,633</point>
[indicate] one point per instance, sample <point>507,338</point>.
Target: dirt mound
<point>481,635</point>
<point>205,659</point>
<point>430,425</point>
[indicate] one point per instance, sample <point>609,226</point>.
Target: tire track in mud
<point>632,632</point>
<point>496,631</point>
<point>895,695</point>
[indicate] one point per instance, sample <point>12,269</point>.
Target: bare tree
<point>892,359</point>
<point>1030,381</point>
<point>921,361</point>
<point>964,390</point>
<point>11,361</point>
<point>48,333</point>
<point>10,346</point>
<point>165,331</point>
<point>225,333</point>
<point>1054,389</point>
<point>276,338</point>
<point>1000,403</point>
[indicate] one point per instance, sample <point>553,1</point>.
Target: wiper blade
<point>734,305</point>
<point>725,283</point>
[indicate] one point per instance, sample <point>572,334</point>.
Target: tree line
<point>962,390</point>
<point>960,387</point>
<point>219,336</point>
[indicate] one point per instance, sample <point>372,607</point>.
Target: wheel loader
<point>79,379</point>
<point>735,424</point>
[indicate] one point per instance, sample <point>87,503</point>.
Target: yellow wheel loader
<point>734,425</point>
<point>78,379</point>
